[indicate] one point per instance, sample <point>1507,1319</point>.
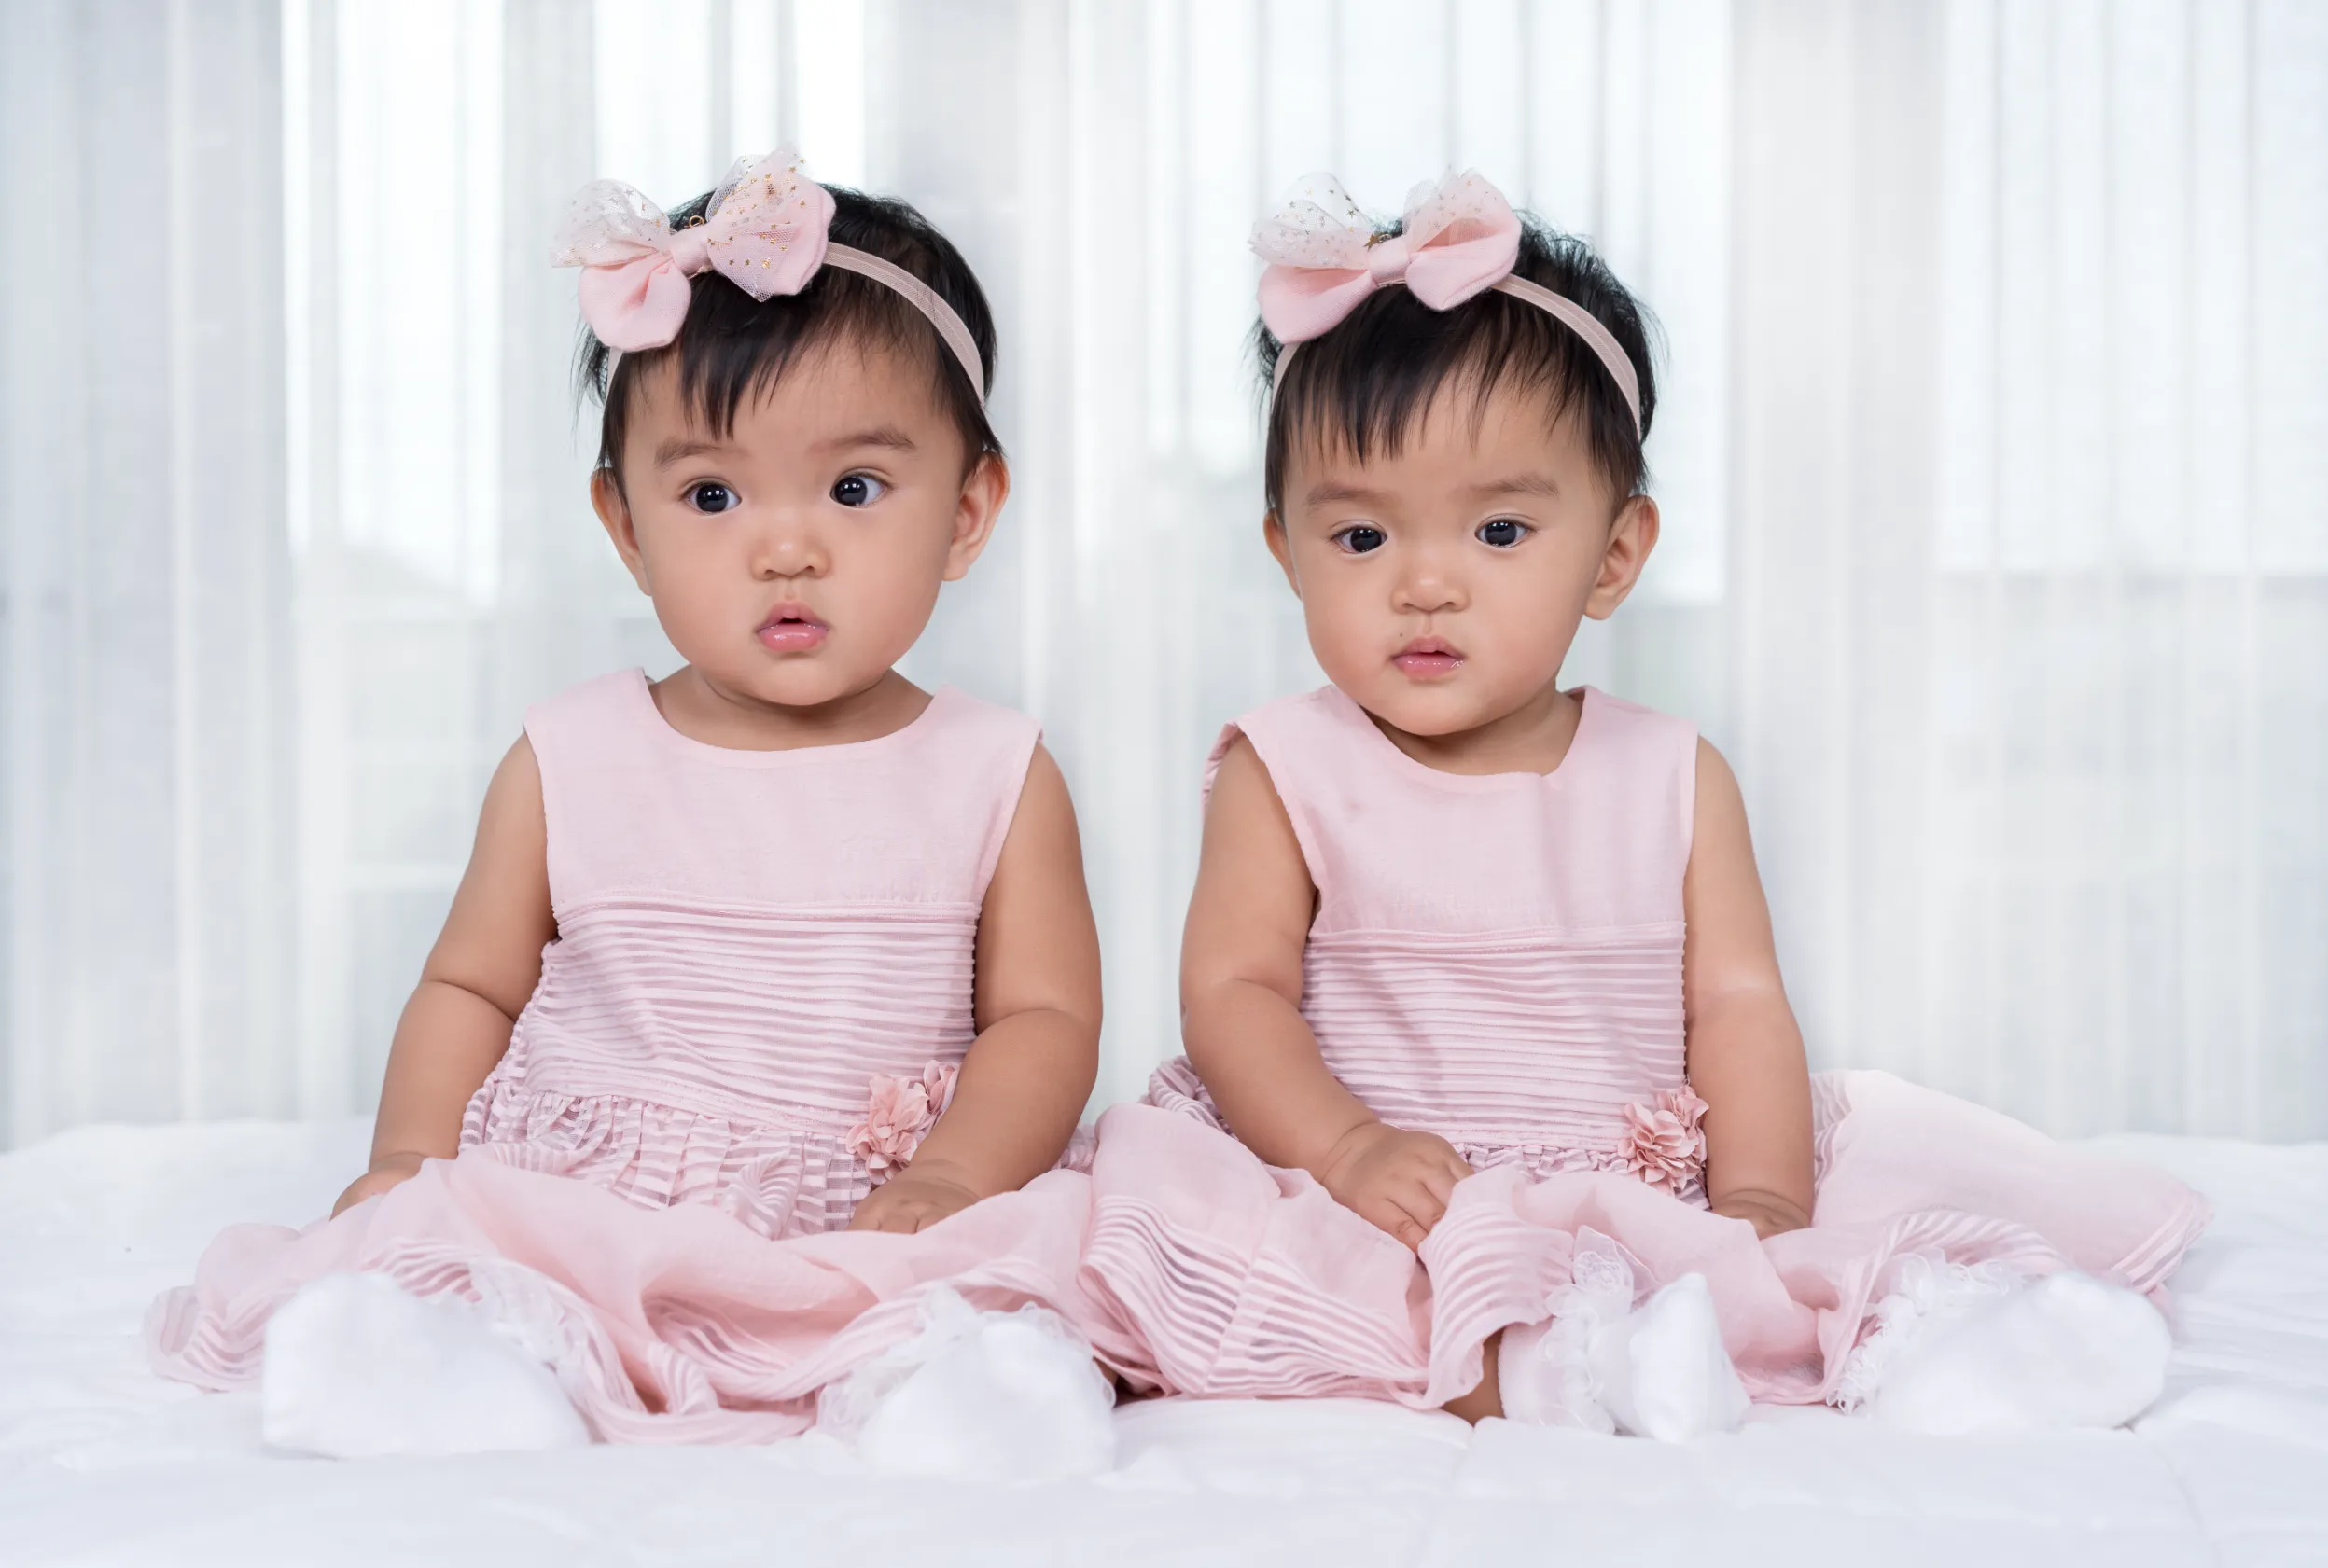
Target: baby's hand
<point>388,1171</point>
<point>1397,1180</point>
<point>1768,1214</point>
<point>913,1200</point>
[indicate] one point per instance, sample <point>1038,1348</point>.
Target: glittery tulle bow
<point>764,230</point>
<point>1326,256</point>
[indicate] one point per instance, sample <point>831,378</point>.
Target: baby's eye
<point>1504,533</point>
<point>711,496</point>
<point>859,489</point>
<point>1361,538</point>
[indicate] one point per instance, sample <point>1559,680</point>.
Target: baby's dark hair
<point>1362,386</point>
<point>732,347</point>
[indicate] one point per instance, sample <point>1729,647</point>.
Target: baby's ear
<point>1273,534</point>
<point>1631,537</point>
<point>614,513</point>
<point>984,489</point>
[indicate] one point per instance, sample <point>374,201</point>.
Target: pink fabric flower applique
<point>898,1114</point>
<point>1664,1144</point>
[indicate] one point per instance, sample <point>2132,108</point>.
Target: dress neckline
<point>1588,698</point>
<point>667,735</point>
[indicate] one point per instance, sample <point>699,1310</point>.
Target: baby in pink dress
<point>1493,1099</point>
<point>770,999</point>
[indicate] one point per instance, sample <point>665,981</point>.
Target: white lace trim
<point>1925,1293</point>
<point>1548,1371</point>
<point>846,1406</point>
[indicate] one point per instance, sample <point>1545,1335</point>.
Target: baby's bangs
<point>741,355</point>
<point>1363,390</point>
<point>1364,394</point>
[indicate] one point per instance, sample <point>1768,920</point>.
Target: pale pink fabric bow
<point>764,230</point>
<point>1459,239</point>
<point>1664,1144</point>
<point>898,1114</point>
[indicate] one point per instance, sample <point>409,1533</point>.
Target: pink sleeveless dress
<point>1498,959</point>
<point>754,1006</point>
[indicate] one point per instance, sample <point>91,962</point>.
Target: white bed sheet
<point>103,1463</point>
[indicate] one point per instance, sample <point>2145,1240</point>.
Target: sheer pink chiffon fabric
<point>1498,959</point>
<point>761,972</point>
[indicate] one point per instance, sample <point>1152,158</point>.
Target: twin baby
<point>763,1018</point>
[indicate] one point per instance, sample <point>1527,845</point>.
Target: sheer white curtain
<point>1991,458</point>
<point>2026,631</point>
<point>144,573</point>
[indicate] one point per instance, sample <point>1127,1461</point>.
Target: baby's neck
<point>703,710</point>
<point>1532,738</point>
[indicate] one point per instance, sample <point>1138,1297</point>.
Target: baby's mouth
<point>1425,658</point>
<point>792,628</point>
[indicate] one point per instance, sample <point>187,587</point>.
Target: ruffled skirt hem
<point>1217,1274</point>
<point>679,1324</point>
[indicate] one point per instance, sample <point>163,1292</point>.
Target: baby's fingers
<point>1386,1215</point>
<point>1418,1196</point>
<point>872,1214</point>
<point>1438,1177</point>
<point>923,1215</point>
<point>1389,1214</point>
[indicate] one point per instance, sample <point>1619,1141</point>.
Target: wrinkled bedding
<point>101,1461</point>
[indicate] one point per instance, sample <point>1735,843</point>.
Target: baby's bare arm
<point>1036,995</point>
<point>476,980</point>
<point>1745,1051</point>
<point>1241,1021</point>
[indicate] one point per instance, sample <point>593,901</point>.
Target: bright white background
<point>1993,455</point>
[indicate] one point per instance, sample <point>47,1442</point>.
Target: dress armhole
<point>1304,834</point>
<point>1688,791</point>
<point>539,731</point>
<point>1016,755</point>
<point>569,733</point>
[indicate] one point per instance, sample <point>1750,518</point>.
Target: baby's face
<point>1441,587</point>
<point>795,561</point>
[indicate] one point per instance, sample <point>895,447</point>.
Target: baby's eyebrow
<point>1516,484</point>
<point>681,447</point>
<point>1333,489</point>
<point>879,435</point>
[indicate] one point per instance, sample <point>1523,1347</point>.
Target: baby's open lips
<point>792,627</point>
<point>792,612</point>
<point>1428,657</point>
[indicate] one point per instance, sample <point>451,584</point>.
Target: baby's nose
<point>1430,589</point>
<point>787,551</point>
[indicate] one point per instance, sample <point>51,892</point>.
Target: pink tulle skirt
<point>682,1323</point>
<point>1209,1272</point>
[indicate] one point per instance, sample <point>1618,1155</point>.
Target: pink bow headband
<point>764,228</point>
<point>1459,239</point>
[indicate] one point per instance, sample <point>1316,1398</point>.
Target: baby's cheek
<point>891,600</point>
<point>1348,635</point>
<point>1520,634</point>
<point>697,613</point>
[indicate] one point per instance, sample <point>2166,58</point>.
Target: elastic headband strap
<point>922,298</point>
<point>1570,314</point>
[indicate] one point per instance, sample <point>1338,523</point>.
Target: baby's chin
<point>1451,704</point>
<point>792,680</point>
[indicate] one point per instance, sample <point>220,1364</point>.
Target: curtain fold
<point>1993,456</point>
